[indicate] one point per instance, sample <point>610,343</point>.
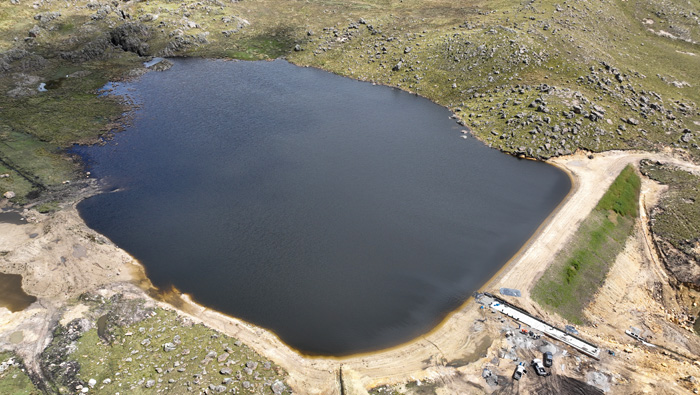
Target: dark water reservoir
<point>344,217</point>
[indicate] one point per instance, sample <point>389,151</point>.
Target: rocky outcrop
<point>132,37</point>
<point>20,60</point>
<point>180,42</point>
<point>56,364</point>
<point>683,265</point>
<point>92,50</point>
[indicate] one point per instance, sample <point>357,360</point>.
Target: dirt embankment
<point>60,258</point>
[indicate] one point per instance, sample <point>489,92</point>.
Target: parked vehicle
<point>539,367</point>
<point>548,359</point>
<point>519,371</point>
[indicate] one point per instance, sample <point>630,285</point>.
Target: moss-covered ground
<point>201,358</point>
<point>13,377</point>
<point>571,282</point>
<point>123,346</point>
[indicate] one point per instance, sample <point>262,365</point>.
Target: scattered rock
<point>167,347</point>
<point>150,383</point>
<point>162,65</point>
<point>149,17</point>
<point>45,17</point>
<point>278,387</point>
<point>9,195</point>
<point>34,31</point>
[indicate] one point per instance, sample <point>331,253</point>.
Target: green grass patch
<point>49,207</point>
<point>13,181</point>
<point>201,357</point>
<point>13,377</point>
<point>34,163</point>
<point>623,195</point>
<point>62,119</point>
<point>571,282</point>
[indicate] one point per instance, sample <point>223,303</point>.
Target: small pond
<point>12,296</point>
<point>343,216</point>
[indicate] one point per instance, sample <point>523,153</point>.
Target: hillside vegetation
<point>675,222</point>
<point>532,78</point>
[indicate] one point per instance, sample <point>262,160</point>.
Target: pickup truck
<point>519,371</point>
<point>539,367</point>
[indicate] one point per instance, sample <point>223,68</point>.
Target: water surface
<point>343,216</point>
<point>12,217</point>
<point>12,296</point>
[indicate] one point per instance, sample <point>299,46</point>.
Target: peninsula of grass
<point>571,282</point>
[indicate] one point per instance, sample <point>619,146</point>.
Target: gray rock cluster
<point>132,37</point>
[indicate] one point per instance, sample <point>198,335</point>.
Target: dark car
<point>548,359</point>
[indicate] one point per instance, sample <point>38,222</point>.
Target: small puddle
<point>12,296</point>
<point>102,325</point>
<point>12,217</point>
<point>55,83</point>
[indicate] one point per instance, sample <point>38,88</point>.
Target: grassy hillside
<point>536,79</point>
<point>675,222</point>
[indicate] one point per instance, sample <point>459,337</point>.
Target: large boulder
<point>132,37</point>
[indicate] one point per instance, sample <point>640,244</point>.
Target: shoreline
<point>327,368</point>
<point>406,361</point>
